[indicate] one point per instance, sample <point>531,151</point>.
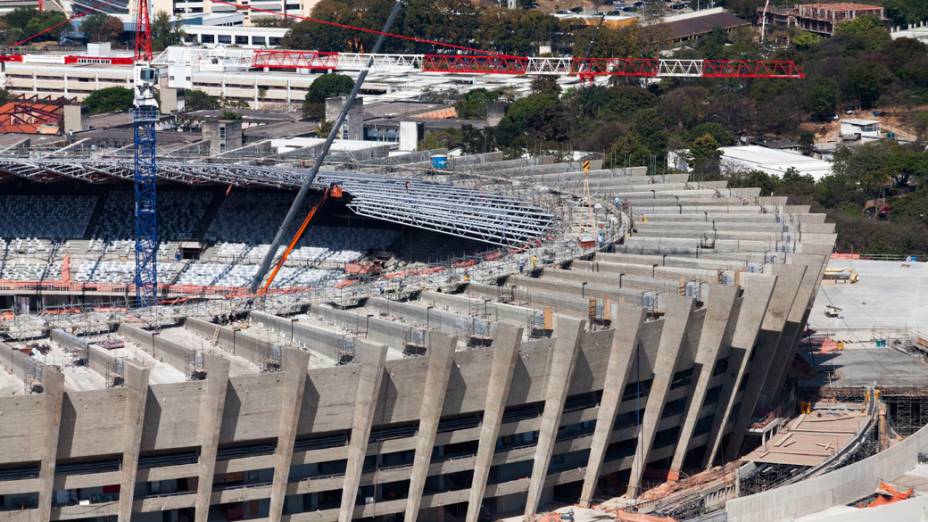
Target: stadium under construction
<point>449,342</point>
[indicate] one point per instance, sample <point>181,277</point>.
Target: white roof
<point>772,161</point>
<point>855,121</point>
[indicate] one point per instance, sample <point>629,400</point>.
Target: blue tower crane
<point>144,120</point>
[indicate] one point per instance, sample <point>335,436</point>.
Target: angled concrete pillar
<point>53,394</point>
<point>560,369</point>
<point>441,357</point>
<point>136,382</point>
<point>505,353</point>
<point>757,291</point>
<point>795,322</point>
<point>673,336</point>
<point>627,323</point>
<point>294,364</point>
<point>718,327</point>
<point>784,293</point>
<point>212,407</point>
<point>370,377</point>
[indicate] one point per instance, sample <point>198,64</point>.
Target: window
<point>241,40</point>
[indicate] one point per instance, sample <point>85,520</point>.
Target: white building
<point>245,37</point>
<point>746,158</point>
<point>864,130</point>
<point>772,161</point>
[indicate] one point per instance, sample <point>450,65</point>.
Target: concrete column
<point>717,329</point>
<point>627,323</point>
<point>795,322</point>
<point>757,291</point>
<point>505,353</point>
<point>212,407</point>
<point>53,391</point>
<point>136,398</point>
<point>560,369</point>
<point>441,356</point>
<point>294,364</point>
<point>673,336</point>
<point>784,293</point>
<point>370,378</point>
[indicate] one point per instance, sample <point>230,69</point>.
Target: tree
<point>325,86</point>
<point>806,40</point>
<point>102,28</point>
<point>196,100</point>
<point>111,99</point>
<point>24,22</point>
<point>906,11</point>
<point>546,84</point>
<point>629,151</point>
<point>820,99</point>
<point>535,120</point>
<point>704,157</point>
<point>473,105</point>
<point>164,32</point>
<point>516,31</point>
<point>867,30</point>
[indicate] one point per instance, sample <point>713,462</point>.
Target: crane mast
<point>144,120</point>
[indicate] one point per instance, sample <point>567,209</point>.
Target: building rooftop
<point>843,6</point>
<point>698,25</point>
<point>772,161</point>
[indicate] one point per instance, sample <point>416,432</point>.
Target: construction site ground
<point>861,364</point>
<point>888,296</point>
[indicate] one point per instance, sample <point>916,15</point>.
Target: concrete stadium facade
<point>571,382</point>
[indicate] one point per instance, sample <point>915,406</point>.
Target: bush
<point>111,99</point>
<point>326,86</point>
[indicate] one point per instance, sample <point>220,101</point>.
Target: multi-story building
<point>817,18</point>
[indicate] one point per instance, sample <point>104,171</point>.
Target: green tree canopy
<point>325,86</point>
<point>704,157</point>
<point>111,99</point>
<point>23,22</point>
<point>867,30</point>
<point>196,100</point>
<point>102,28</point>
<point>473,105</point>
<point>164,32</point>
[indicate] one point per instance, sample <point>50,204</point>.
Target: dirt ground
<point>894,120</point>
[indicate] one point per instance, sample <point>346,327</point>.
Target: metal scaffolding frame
<point>472,213</point>
<point>468,213</point>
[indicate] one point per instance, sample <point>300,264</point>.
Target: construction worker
<point>534,262</point>
<point>521,265</point>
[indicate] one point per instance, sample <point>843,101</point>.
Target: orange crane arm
<point>296,239</point>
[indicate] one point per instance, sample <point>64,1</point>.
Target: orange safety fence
<point>849,257</point>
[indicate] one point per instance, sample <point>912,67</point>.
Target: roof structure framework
<point>441,207</point>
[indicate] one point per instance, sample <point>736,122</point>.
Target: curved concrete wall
<point>832,489</point>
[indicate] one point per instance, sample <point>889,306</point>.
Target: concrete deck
<point>809,439</point>
<point>160,372</point>
<point>860,364</point>
<point>886,296</point>
<point>78,378</point>
<point>10,384</point>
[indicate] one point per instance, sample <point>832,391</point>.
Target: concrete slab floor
<point>887,295</point>
<point>160,372</point>
<point>860,364</point>
<point>76,378</point>
<point>10,384</point>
